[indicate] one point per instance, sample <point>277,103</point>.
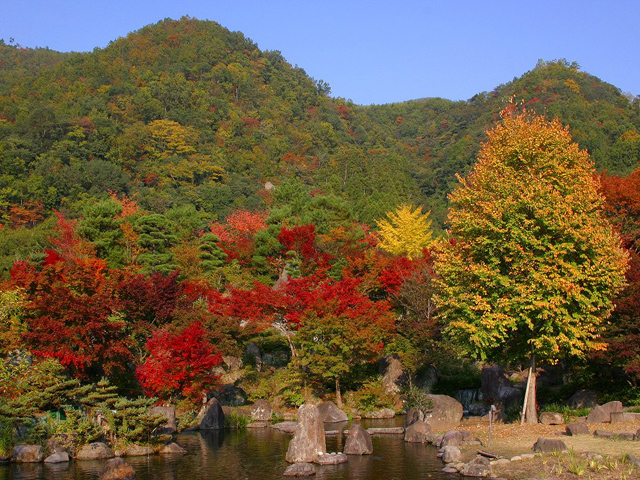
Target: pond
<point>256,454</point>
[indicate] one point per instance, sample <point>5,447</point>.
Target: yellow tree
<point>531,264</point>
<point>407,231</point>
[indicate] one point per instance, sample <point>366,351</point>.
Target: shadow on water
<point>256,454</point>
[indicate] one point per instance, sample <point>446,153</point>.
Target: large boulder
<point>394,376</point>
<point>169,413</point>
<point>57,457</point>
<point>578,428</point>
<point>496,389</point>
<point>551,418</point>
<point>418,432</point>
<point>446,413</point>
<point>94,451</point>
<point>230,395</point>
<point>602,413</point>
<point>451,454</point>
<point>27,454</point>
<point>455,438</point>
<point>413,415</point>
<point>300,470</point>
<point>308,439</point>
<point>583,399</point>
<point>118,469</point>
<point>331,414</point>
<point>358,441</point>
<point>478,467</point>
<point>261,411</point>
<point>549,445</point>
<point>212,416</point>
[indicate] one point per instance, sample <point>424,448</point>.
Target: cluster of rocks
<point>308,445</point>
<point>116,467</point>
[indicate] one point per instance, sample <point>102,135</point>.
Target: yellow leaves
<point>169,138</point>
<point>407,231</point>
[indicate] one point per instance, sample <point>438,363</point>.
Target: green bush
<point>417,399</point>
<point>370,397</point>
<point>7,439</point>
<point>567,412</point>
<point>236,420</point>
<point>78,429</point>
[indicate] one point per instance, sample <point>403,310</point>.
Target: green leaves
<point>531,264</point>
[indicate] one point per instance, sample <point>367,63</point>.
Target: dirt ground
<point>508,440</point>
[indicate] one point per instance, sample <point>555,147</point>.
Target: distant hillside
<point>187,112</point>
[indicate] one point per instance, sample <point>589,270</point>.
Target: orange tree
<point>531,265</point>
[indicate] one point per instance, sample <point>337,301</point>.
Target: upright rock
<point>583,399</point>
<point>602,413</point>
<point>394,376</point>
<point>579,428</point>
<point>358,441</point>
<point>212,418</point>
<point>497,389</point>
<point>446,413</point>
<point>169,413</point>
<point>261,411</point>
<point>308,439</point>
<point>331,414</point>
<point>418,432</point>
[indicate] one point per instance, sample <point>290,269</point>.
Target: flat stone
<point>527,456</point>
<point>300,470</point>
<point>331,459</point>
<point>548,445</point>
<point>580,428</point>
<point>603,434</point>
<point>500,461</point>
<point>172,449</point>
<point>332,432</point>
<point>258,425</point>
<point>449,470</point>
<point>386,431</point>
<point>57,457</point>
<point>625,436</point>
<point>516,458</point>
<point>287,427</point>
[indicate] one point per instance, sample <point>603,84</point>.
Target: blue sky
<point>374,51</point>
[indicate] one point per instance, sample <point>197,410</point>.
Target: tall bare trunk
<point>338,395</point>
<point>530,414</point>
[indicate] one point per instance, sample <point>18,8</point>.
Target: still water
<point>255,454</point>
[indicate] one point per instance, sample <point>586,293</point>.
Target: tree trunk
<point>338,395</point>
<point>530,414</point>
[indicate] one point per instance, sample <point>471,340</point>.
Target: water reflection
<point>255,454</point>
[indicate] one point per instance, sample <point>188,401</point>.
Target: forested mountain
<point>186,114</point>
